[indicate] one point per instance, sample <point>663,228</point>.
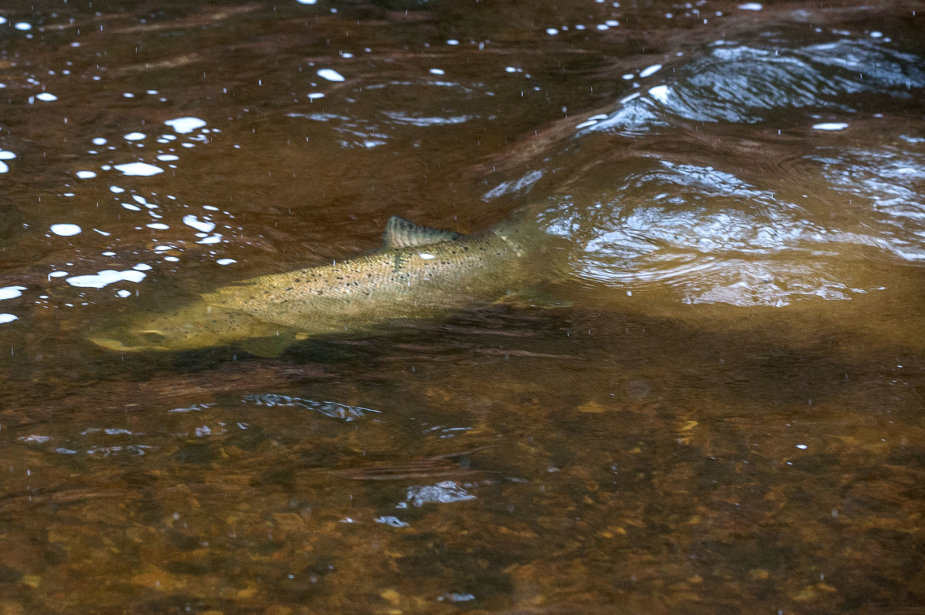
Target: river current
<point>716,407</point>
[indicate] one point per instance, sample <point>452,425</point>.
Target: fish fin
<point>268,347</point>
<point>401,233</point>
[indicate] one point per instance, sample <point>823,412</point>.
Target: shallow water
<point>718,409</point>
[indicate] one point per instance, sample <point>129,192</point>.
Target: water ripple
<point>747,84</point>
<point>332,409</point>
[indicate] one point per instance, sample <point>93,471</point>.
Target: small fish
<point>419,273</point>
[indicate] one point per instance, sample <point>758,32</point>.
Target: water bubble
<point>184,125</point>
<point>65,230</point>
<point>86,174</point>
<point>11,292</point>
<point>651,70</point>
<point>106,277</point>
<point>135,136</point>
<point>200,225</point>
<point>140,169</point>
<point>46,97</point>
<point>830,126</point>
<point>330,74</point>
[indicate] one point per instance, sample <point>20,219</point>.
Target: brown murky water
<point>723,413</point>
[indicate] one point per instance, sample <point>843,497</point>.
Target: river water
<point>718,409</point>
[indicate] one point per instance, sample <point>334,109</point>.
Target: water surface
<point>718,409</point>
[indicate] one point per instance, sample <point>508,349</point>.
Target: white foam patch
<point>65,230</point>
<point>124,293</point>
<point>437,71</point>
<point>139,169</point>
<point>4,167</point>
<point>6,155</point>
<point>116,189</point>
<point>99,141</point>
<point>210,239</point>
<point>426,256</point>
<point>185,125</point>
<point>660,93</point>
<point>649,70</point>
<point>330,74</point>
<point>158,226</point>
<point>57,274</point>
<point>135,136</point>
<point>131,207</point>
<point>86,174</point>
<point>830,126</point>
<point>5,318</point>
<point>306,1</point>
<point>105,278</point>
<point>168,157</point>
<point>200,225</point>
<point>315,95</point>
<point>11,292</point>
<point>142,267</point>
<point>46,97</point>
<point>23,26</point>
<point>750,6</point>
<point>226,261</point>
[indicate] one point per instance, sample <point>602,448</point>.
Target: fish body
<point>420,273</point>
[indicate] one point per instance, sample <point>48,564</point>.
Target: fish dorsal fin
<point>401,233</point>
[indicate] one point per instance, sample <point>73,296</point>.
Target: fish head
<point>193,326</point>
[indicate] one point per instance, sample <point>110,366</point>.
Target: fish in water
<point>419,273</point>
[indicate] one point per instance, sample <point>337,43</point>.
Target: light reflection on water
<point>747,85</point>
<point>724,390</point>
